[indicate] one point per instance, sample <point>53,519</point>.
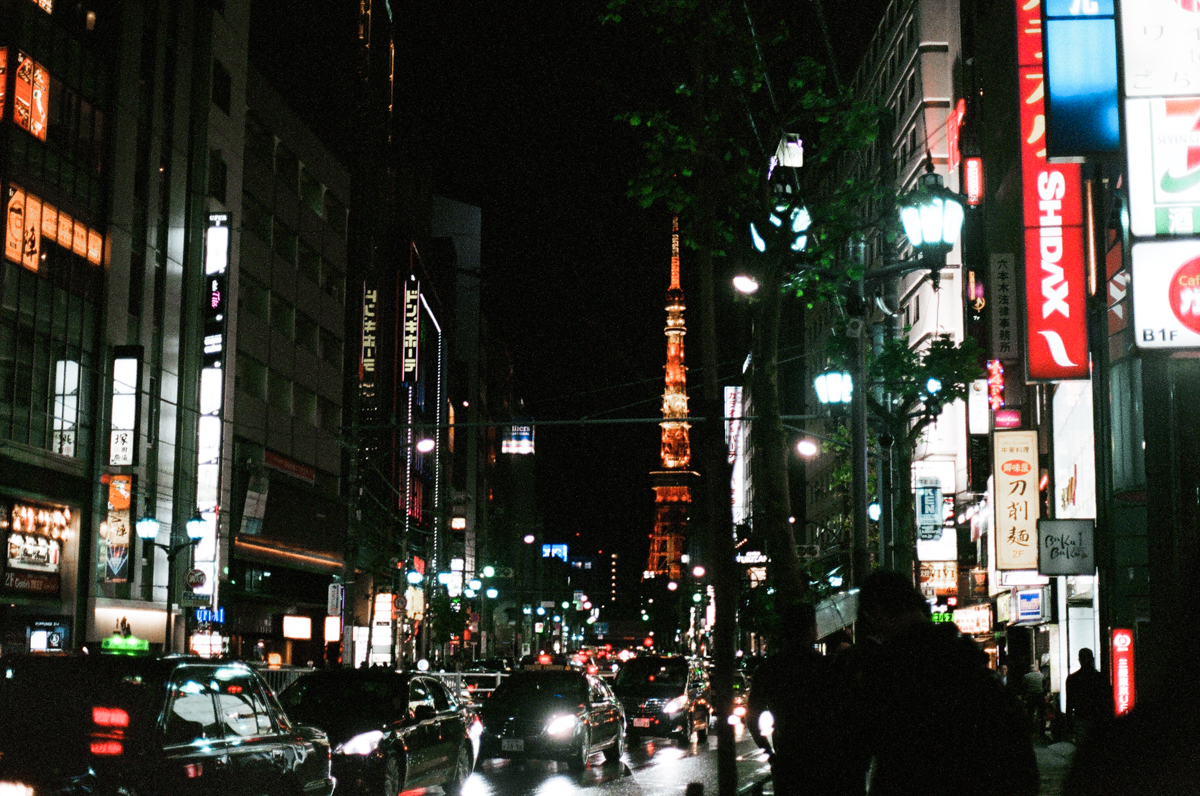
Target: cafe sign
<point>1065,547</point>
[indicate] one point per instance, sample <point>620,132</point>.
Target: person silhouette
<point>1089,696</point>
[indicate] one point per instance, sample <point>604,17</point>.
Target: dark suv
<point>664,695</point>
<point>124,725</point>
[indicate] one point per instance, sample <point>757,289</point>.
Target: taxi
<point>549,711</point>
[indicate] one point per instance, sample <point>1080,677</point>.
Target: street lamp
<point>932,217</point>
<point>835,389</point>
<point>147,530</point>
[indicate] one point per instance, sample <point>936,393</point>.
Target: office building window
<point>222,86</point>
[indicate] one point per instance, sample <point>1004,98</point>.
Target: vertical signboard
<point>1056,324</point>
<point>370,328</point>
<point>122,447</point>
<point>410,349</point>
<point>1164,164</point>
<point>1081,77</point>
<point>1006,336</point>
<point>1122,670</point>
<point>115,531</point>
<point>1016,488</point>
<point>31,96</point>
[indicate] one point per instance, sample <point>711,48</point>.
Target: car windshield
<point>91,707</point>
<point>375,699</point>
<point>540,687</point>
<point>653,671</point>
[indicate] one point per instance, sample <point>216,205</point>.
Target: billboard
<point>1081,77</point>
<point>1166,293</point>
<point>410,350</point>
<point>1164,165</point>
<point>1015,471</point>
<point>1056,324</point>
<point>1065,547</point>
<point>1160,48</point>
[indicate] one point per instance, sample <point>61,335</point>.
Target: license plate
<point>641,722</point>
<point>512,745</point>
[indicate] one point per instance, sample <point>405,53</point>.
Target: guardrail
<point>279,678</point>
<point>472,686</point>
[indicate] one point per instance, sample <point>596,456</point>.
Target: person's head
<point>888,603</point>
<point>797,625</point>
<point>1087,660</point>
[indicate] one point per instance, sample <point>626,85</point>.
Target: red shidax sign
<point>1054,255</point>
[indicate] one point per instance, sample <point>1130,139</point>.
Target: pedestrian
<point>793,686</point>
<point>928,715</point>
<point>1033,688</point>
<point>1089,696</point>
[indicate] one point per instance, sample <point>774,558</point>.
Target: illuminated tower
<point>672,484</point>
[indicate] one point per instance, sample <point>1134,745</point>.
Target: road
<point>652,766</point>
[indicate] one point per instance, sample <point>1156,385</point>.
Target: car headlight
<point>362,744</point>
<point>16,789</point>
<point>561,725</point>
<point>675,705</point>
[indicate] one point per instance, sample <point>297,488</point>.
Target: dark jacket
<point>932,719</point>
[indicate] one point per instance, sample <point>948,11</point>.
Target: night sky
<point>515,103</point>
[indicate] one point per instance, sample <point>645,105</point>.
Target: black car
<point>129,725</point>
<point>390,731</point>
<point>664,695</point>
<point>552,713</point>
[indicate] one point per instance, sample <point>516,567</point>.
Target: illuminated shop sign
<point>1054,269</point>
<point>973,180</point>
<point>554,551</point>
<point>1017,506</point>
<point>518,439</point>
<point>32,222</point>
<point>995,382</point>
<point>1029,606</point>
<point>1166,300</point>
<point>1065,547</point>
<point>733,420</point>
<point>126,376</point>
<point>1160,48</point>
<point>974,619</point>
<point>370,327</point>
<point>1124,693</point>
<point>412,331</point>
<point>939,578</point>
<point>1081,77</point>
<point>35,535</point>
<point>953,127</point>
<point>1164,164</point>
<point>31,96</point>
<point>116,530</point>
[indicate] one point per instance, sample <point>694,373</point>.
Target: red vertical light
<point>1122,670</point>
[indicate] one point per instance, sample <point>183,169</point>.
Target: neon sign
<point>1122,668</point>
<point>995,380</point>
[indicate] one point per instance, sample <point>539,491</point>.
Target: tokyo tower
<point>673,483</point>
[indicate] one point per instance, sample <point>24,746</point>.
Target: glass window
<point>256,217</point>
<point>260,143</point>
<point>309,262</point>
<point>279,391</point>
<point>217,175</point>
<point>304,404</point>
<point>283,316</point>
<point>418,695</point>
<point>285,243</point>
<point>308,332</point>
<point>243,708</point>
<point>255,298</point>
<point>330,415</point>
<point>311,191</point>
<point>335,213</point>
<point>331,347</point>
<point>222,86</point>
<point>441,697</point>
<point>287,168</point>
<point>251,377</point>
<point>192,712</point>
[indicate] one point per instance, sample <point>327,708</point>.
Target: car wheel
<point>579,761</point>
<point>462,770</point>
<point>613,753</point>
<point>393,774</point>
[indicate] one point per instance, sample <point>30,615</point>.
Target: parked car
<point>390,731</point>
<point>664,695</point>
<point>551,712</point>
<point>78,724</point>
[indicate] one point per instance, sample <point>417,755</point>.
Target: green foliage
<point>445,622</point>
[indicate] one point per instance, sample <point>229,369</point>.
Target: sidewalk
<point>1053,760</point>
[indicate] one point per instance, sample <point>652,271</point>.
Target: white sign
<point>1164,170</point>
<point>1162,53</point>
<point>333,599</point>
<point>1017,506</point>
<point>974,619</point>
<point>1166,294</point>
<point>929,508</point>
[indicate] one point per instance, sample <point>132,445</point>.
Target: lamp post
<point>147,530</point>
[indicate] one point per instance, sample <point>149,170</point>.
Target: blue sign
<point>211,616</point>
<point>554,551</point>
<point>1081,77</point>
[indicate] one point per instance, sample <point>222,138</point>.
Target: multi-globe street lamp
<point>147,530</point>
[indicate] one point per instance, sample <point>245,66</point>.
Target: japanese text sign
<point>412,330</point>
<point>1122,670</point>
<point>1166,301</point>
<point>1016,488</point>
